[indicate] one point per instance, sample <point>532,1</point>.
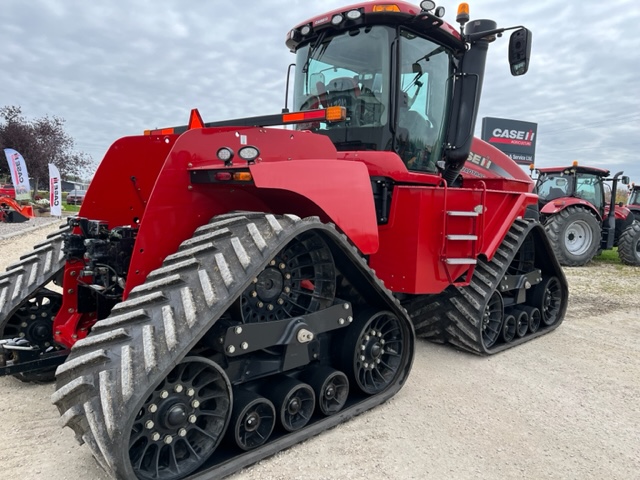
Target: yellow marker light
<point>386,8</point>
<point>531,167</point>
<point>242,177</point>
<point>336,114</point>
<point>463,13</point>
<point>575,163</point>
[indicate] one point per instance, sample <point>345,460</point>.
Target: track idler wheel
<point>522,322</point>
<point>373,351</point>
<point>182,421</point>
<point>252,421</point>
<point>492,320</point>
<point>509,328</point>
<point>547,296</point>
<point>295,402</point>
<point>331,388</point>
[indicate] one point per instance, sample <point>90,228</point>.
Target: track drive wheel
<point>574,234</point>
<point>252,421</point>
<point>33,324</point>
<point>374,351</point>
<point>547,296</point>
<point>182,421</point>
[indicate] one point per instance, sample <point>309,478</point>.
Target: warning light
<point>575,163</point>
<point>463,13</point>
<point>386,8</point>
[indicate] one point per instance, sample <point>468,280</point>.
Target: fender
<point>323,187</point>
<point>555,206</point>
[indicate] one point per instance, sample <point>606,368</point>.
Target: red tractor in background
<point>579,221</point>
<point>633,203</point>
<point>250,287</point>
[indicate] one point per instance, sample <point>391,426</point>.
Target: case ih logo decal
<point>513,137</point>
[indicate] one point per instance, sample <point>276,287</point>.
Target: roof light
<point>249,153</point>
<point>354,14</point>
<point>427,5</point>
<point>305,30</point>
<point>337,19</point>
<point>463,13</point>
<point>439,12</point>
<point>386,8</point>
<point>575,163</point>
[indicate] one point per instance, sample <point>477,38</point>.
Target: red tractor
<point>579,221</point>
<point>250,287</point>
<point>633,203</point>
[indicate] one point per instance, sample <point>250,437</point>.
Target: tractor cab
<point>634,197</point>
<point>410,83</point>
<point>584,183</point>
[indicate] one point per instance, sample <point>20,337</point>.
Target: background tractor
<point>578,219</point>
<point>633,203</point>
<point>250,287</point>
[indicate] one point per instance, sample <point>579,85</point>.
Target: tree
<point>40,142</point>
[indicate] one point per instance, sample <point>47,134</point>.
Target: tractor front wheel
<point>629,245</point>
<point>575,236</point>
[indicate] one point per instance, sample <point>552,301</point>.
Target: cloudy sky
<point>115,68</point>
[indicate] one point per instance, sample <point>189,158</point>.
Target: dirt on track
<point>566,405</point>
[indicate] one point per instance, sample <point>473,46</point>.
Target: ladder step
<point>462,237</point>
<point>460,213</point>
<point>461,261</point>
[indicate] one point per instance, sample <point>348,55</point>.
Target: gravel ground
<point>566,405</point>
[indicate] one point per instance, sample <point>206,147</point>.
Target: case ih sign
<point>515,138</point>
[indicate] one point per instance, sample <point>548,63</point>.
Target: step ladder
<point>470,233</point>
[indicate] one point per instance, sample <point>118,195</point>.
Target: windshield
<point>355,70</point>
<point>350,70</point>
<point>634,199</point>
<point>554,185</point>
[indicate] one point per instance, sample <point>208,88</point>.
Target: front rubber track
<point>33,271</point>
<point>454,316</point>
<point>108,375</point>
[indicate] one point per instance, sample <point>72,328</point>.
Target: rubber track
<point>31,272</point>
<point>110,373</point>
<point>456,317</point>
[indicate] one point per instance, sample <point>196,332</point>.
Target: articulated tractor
<point>259,280</point>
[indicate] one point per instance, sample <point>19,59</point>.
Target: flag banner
<point>55,191</point>
<point>19,175</point>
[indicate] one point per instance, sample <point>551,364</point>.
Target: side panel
<point>414,243</point>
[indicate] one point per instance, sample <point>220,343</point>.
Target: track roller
<point>522,322</point>
<point>331,388</point>
<point>294,401</point>
<point>252,420</point>
<point>509,328</point>
<point>535,317</point>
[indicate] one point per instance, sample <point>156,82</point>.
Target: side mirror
<point>520,51</point>
<point>625,180</point>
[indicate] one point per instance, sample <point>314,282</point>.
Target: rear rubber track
<point>32,272</point>
<point>109,374</point>
<point>455,315</point>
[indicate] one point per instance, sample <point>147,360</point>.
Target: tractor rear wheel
<point>629,245</point>
<point>575,236</point>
